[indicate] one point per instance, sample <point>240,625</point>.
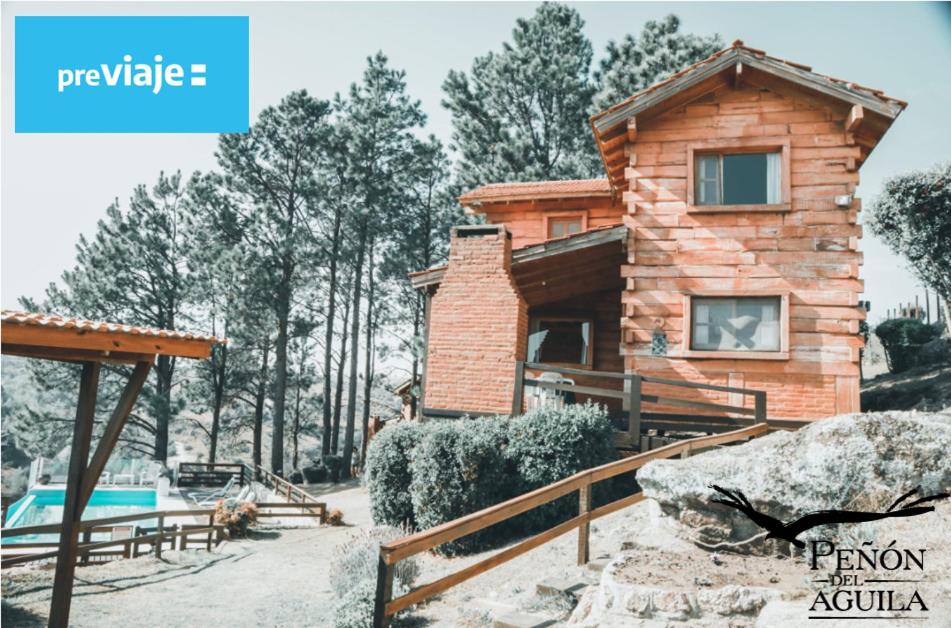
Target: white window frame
<point>688,328</point>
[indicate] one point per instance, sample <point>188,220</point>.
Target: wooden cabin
<point>722,248</point>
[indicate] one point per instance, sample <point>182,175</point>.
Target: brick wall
<point>809,252</point>
<point>478,325</point>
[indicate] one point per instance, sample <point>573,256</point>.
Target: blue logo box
<point>186,74</point>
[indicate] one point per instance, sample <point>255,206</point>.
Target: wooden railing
<point>211,473</point>
<point>401,549</point>
<point>633,397</point>
<point>294,495</point>
<point>96,551</point>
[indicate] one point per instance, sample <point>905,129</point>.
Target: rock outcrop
<point>857,462</point>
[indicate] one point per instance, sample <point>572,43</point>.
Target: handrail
<point>400,549</point>
<point>292,493</point>
<point>634,397</point>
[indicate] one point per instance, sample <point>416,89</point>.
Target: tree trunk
<point>354,350</point>
<point>259,399</point>
<point>368,362</point>
<point>946,308</point>
<point>413,399</point>
<point>280,372</point>
<point>296,431</point>
<point>163,405</point>
<point>338,395</point>
<point>220,370</point>
<point>329,331</point>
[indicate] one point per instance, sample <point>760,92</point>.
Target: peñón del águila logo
<point>854,590</point>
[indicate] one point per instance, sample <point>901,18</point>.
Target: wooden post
<point>634,416</point>
<point>384,592</point>
<point>73,507</point>
<point>211,524</point>
<point>584,530</point>
<point>87,538</point>
<point>161,537</point>
<point>760,407</point>
<point>519,390</point>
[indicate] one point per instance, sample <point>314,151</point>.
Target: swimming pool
<point>43,505</point>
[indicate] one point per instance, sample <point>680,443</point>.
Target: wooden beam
<point>856,116</point>
<point>49,337</point>
<point>632,129</point>
<point>111,434</point>
<point>74,355</point>
<point>72,509</point>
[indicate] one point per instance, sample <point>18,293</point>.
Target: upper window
<point>565,225</point>
<point>560,341</point>
<point>735,324</point>
<point>738,179</point>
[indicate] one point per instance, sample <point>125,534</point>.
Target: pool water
<point>45,505</point>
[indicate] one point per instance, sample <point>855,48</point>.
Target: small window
<point>738,179</point>
<point>560,341</point>
<point>568,225</point>
<point>735,324</point>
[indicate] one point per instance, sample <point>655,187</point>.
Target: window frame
<point>534,327</point>
<point>549,217</point>
<point>782,354</point>
<point>734,147</point>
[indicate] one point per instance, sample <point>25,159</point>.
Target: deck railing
<point>401,549</point>
<point>293,494</point>
<point>211,473</point>
<point>634,398</point>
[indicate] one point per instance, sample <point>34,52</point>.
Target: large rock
<point>857,461</point>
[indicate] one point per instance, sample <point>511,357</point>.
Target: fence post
<point>584,530</point>
<point>211,524</point>
<point>634,417</point>
<point>241,475</point>
<point>87,538</point>
<point>759,397</point>
<point>519,389</point>
<point>384,591</point>
<point>161,537</point>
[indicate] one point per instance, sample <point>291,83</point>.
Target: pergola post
<point>73,506</point>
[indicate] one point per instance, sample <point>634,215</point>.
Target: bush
<point>459,468</point>
<point>237,516</point>
<point>388,474</point>
<point>548,444</point>
<point>902,339</point>
<point>296,477</point>
<point>315,473</point>
<point>355,560</point>
<point>334,464</point>
<point>433,473</point>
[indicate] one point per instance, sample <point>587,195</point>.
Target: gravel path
<point>274,578</point>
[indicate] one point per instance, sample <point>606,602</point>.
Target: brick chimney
<point>478,324</point>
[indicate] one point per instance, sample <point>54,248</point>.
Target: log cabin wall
<point>808,253</point>
<point>528,220</point>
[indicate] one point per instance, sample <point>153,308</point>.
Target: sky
<point>55,187</point>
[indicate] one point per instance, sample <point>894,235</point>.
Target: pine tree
<point>271,172</point>
<point>521,113</point>
<point>638,62</point>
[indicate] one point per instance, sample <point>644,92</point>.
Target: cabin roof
<point>32,334</point>
<point>609,126</point>
<point>533,252</point>
<point>535,190</point>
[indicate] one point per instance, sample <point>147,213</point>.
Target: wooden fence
<point>633,397</point>
<point>211,474</point>
<point>401,549</point>
<point>294,495</point>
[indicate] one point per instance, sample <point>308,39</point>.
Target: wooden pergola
<point>91,344</point>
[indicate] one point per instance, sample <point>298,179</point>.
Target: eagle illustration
<point>789,531</point>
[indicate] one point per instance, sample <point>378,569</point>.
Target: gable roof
<point>609,126</point>
<point>535,190</point>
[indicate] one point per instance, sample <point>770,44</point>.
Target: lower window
<point>560,341</point>
<point>735,323</point>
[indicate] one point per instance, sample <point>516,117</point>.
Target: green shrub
<point>388,474</point>
<point>334,464</point>
<point>315,473</point>
<point>353,568</point>
<point>902,339</point>
<point>460,467</point>
<point>296,477</point>
<point>548,444</point>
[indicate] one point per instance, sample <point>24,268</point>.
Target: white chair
<point>150,474</point>
<point>209,498</point>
